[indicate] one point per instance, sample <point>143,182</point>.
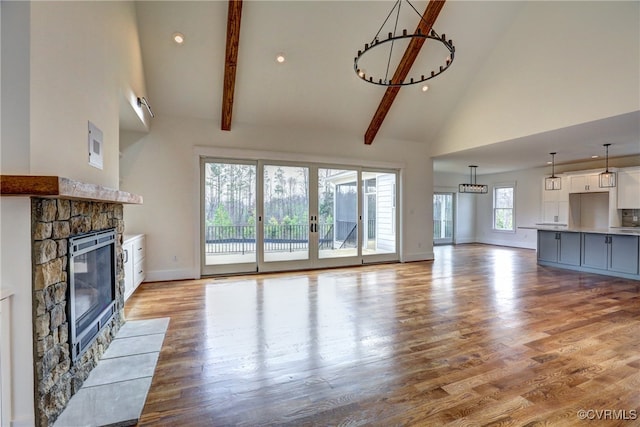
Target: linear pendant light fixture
<point>552,182</point>
<point>472,186</point>
<point>607,179</point>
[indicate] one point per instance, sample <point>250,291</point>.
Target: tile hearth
<point>116,390</point>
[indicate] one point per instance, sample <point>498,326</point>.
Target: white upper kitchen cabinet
<point>629,188</point>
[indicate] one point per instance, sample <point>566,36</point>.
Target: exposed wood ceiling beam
<point>231,59</point>
<point>413,49</point>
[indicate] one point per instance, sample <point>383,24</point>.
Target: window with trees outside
<point>503,207</point>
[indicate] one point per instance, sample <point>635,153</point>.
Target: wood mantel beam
<point>234,15</point>
<point>411,53</point>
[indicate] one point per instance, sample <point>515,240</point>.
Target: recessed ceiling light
<point>425,88</point>
<point>280,58</point>
<point>178,38</point>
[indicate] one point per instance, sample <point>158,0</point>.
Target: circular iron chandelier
<point>394,36</point>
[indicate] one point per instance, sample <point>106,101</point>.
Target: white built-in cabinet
<point>555,204</point>
<point>133,248</point>
<point>629,188</point>
<point>587,183</point>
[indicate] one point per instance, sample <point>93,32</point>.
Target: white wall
<point>574,73</point>
<point>528,202</point>
<point>14,151</point>
<point>85,58</point>
<point>162,167</point>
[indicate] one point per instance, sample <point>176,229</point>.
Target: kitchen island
<point>613,251</point>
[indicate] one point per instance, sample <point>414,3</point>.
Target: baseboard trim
<point>165,275</point>
<point>420,256</point>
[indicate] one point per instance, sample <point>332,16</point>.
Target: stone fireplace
<point>60,368</point>
<point>41,216</point>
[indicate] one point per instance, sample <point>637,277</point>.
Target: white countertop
<point>629,231</point>
<point>128,237</point>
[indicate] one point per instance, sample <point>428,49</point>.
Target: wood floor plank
<point>480,336</point>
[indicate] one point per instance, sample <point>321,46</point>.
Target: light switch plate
<point>95,146</point>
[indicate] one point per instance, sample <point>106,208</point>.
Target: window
<point>503,205</point>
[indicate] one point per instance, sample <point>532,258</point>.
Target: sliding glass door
<point>229,210</point>
<point>286,221</point>
<point>270,216</point>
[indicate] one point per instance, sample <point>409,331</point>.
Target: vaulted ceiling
<point>316,87</point>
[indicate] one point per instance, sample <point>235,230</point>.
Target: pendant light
<point>472,186</point>
<point>607,179</point>
<point>552,182</point>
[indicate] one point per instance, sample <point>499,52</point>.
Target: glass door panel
<point>228,216</point>
<point>442,218</point>
<point>285,213</point>
<point>337,213</point>
<point>379,220</point>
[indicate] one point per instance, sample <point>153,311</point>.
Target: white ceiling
<point>316,88</point>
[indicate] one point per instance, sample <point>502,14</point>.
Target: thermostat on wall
<point>95,146</point>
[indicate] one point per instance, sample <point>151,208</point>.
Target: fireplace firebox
<point>92,281</point>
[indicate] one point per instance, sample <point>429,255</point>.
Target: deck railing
<point>241,239</point>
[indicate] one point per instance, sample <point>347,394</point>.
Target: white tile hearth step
<point>135,345</point>
<point>106,405</point>
<point>144,327</point>
<point>116,390</point>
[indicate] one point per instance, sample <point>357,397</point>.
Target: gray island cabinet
<point>610,252</point>
<point>559,246</point>
<point>614,252</point>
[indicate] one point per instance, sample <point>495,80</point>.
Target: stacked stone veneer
<point>53,221</point>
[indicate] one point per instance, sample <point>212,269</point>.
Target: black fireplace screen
<point>92,277</point>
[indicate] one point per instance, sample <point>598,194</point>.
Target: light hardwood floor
<point>480,336</point>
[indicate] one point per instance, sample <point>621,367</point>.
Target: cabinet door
<point>563,212</point>
<point>578,184</point>
<point>547,246</point>
<point>623,254</point>
<point>569,252</point>
<point>585,183</point>
<point>629,189</point>
<point>128,265</point>
<point>595,250</point>
<point>550,211</point>
<point>593,183</point>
